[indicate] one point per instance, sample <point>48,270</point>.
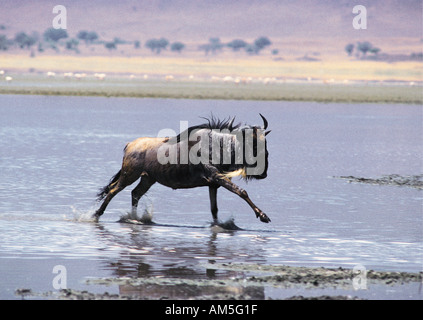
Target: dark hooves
<point>264,218</point>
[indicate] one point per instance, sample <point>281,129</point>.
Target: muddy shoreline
<point>412,181</point>
<point>250,281</point>
<point>298,89</point>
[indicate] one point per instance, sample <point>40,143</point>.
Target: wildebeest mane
<point>212,123</point>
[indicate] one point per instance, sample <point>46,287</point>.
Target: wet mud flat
<point>252,282</point>
<point>413,181</point>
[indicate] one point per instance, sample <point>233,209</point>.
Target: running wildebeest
<point>209,154</point>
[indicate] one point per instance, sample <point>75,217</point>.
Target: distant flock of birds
<point>6,78</point>
<point>167,78</point>
<point>226,79</point>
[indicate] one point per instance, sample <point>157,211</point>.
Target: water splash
<point>83,216</point>
<point>132,217</point>
<point>228,225</point>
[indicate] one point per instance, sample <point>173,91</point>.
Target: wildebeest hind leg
<point>145,184</point>
<point>106,201</point>
<point>116,187</point>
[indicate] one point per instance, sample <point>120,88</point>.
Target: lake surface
<point>56,152</point>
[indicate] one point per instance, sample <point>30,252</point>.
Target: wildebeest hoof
<point>263,217</point>
<point>95,217</point>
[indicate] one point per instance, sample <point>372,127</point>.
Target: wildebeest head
<point>249,155</point>
<point>255,151</point>
<point>234,150</point>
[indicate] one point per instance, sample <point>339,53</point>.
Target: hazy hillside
<point>297,29</point>
<point>198,20</point>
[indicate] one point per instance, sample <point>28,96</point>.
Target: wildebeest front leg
<point>213,202</point>
<point>227,184</point>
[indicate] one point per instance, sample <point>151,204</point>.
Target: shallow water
<point>57,151</point>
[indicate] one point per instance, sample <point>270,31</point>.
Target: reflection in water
<point>171,251</point>
<point>189,291</point>
<point>145,254</point>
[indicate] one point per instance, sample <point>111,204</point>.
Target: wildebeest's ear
<point>267,132</point>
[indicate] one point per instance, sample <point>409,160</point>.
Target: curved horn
<point>264,121</point>
<point>231,123</point>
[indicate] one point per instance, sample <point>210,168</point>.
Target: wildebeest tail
<point>105,190</point>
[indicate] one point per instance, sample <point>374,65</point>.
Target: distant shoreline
<point>213,90</point>
<point>255,78</point>
<point>331,68</point>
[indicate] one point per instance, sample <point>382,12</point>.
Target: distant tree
<point>374,50</point>
<point>258,45</point>
<point>23,40</point>
<point>55,35</point>
<point>72,44</point>
<point>87,36</point>
<point>364,47</point>
<point>251,49</point>
<point>137,44</point>
<point>118,40</point>
<point>261,43</point>
<point>82,35</point>
<point>40,47</point>
<point>237,44</point>
<point>157,45</point>
<point>349,48</point>
<point>151,44</point>
<point>162,44</point>
<point>4,43</point>
<point>213,46</point>
<point>416,56</point>
<point>275,52</point>
<point>92,36</point>
<point>177,46</point>
<point>111,45</point>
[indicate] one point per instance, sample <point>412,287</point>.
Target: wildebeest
<point>209,154</point>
